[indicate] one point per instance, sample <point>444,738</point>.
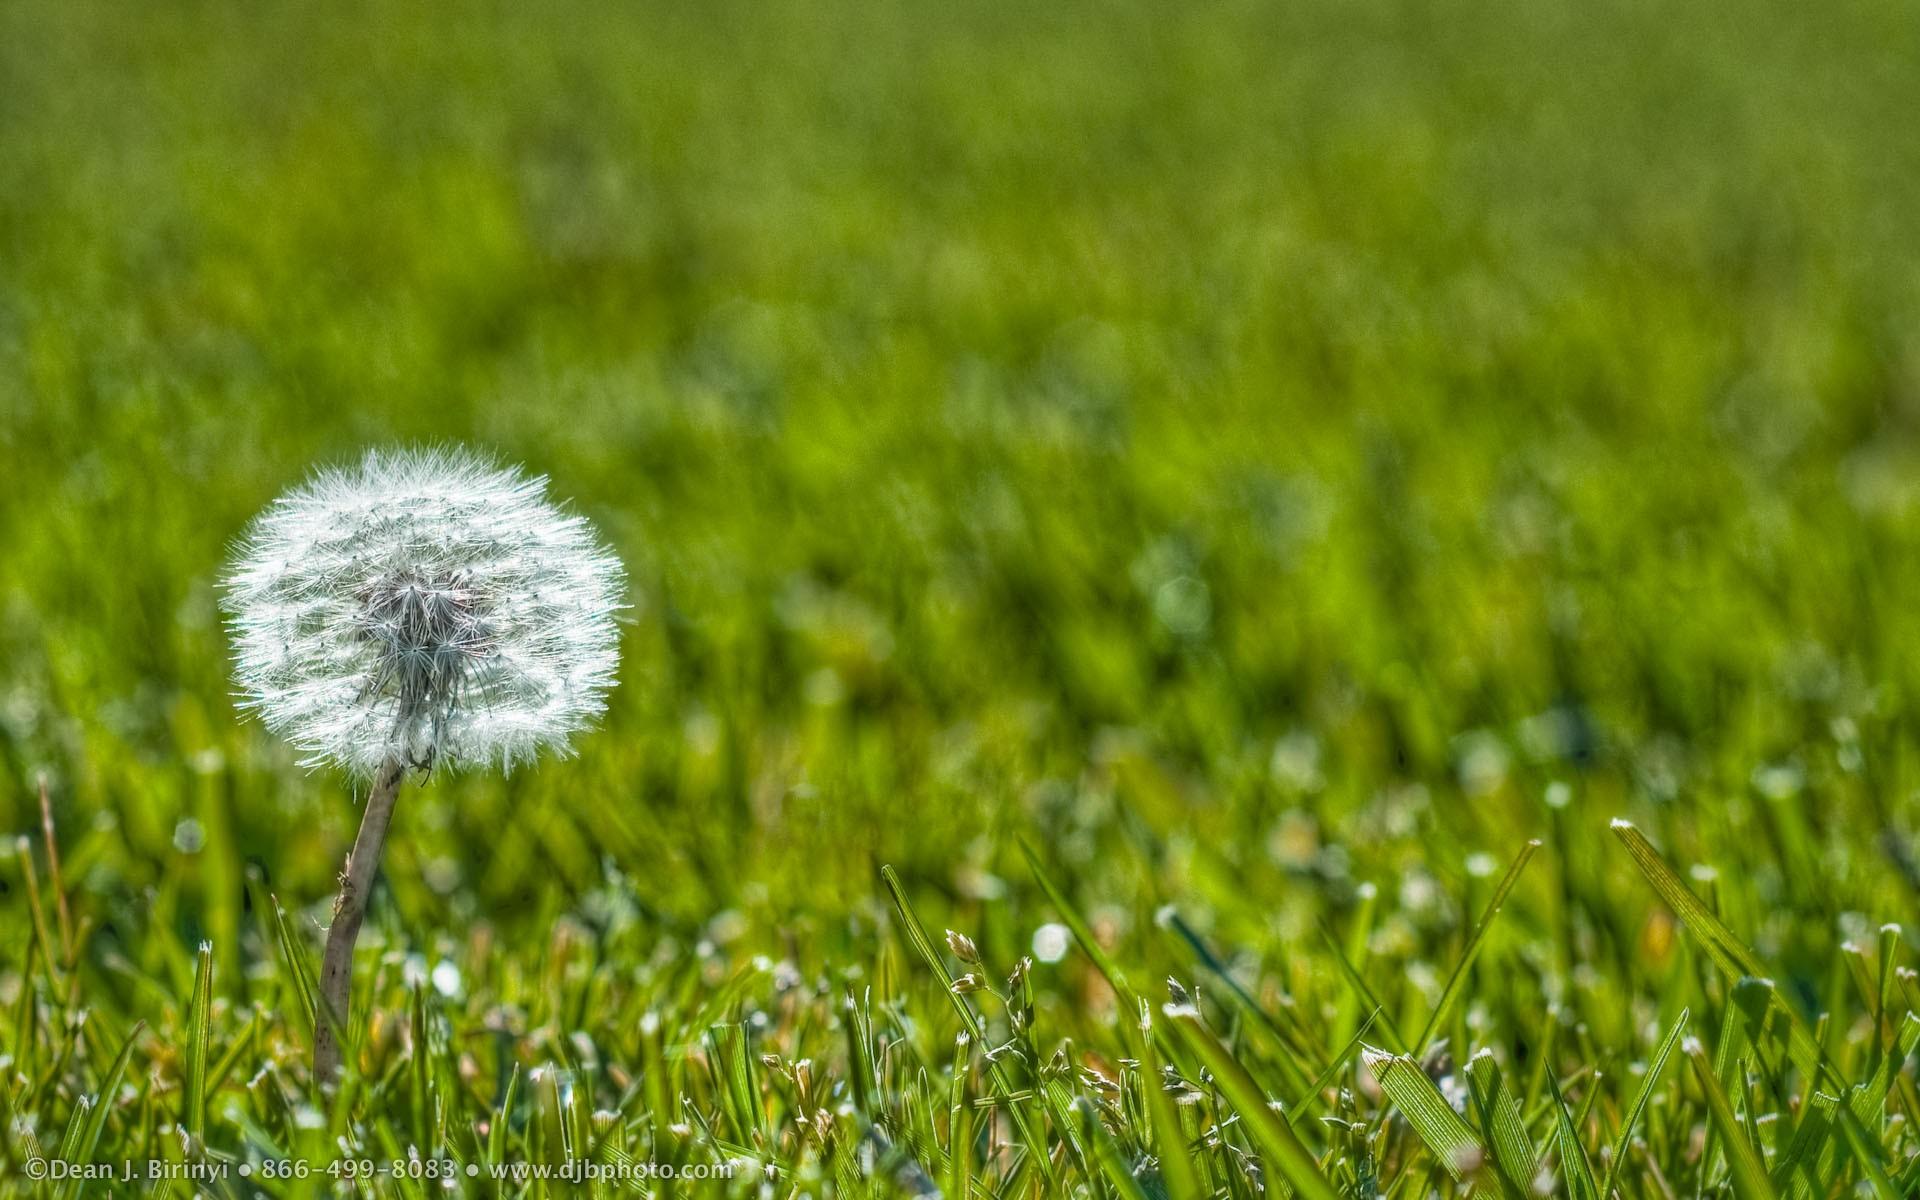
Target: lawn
<point>1185,498</point>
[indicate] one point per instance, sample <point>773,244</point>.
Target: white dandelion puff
<point>427,608</point>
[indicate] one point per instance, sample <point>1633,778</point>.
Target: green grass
<point>1222,482</point>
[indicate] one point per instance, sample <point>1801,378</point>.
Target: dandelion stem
<point>356,883</point>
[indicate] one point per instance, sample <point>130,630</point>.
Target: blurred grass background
<point>1251,449</point>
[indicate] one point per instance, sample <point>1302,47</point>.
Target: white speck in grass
<point>585,1053</point>
<point>1559,795</point>
<point>1295,839</point>
<point>1333,862</point>
<point>824,688</point>
<point>1482,865</point>
<point>981,885</point>
<point>1184,605</point>
<point>446,979</point>
<point>1418,892</point>
<point>188,836</point>
<point>1481,761</point>
<point>1400,809</point>
<point>1050,942</point>
<point>1779,781</point>
<point>442,874</point>
<point>700,733</point>
<point>1295,762</point>
<point>728,925</point>
<point>430,606</point>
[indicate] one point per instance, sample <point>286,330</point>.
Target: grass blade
<point>1576,1171</point>
<point>960,1122</point>
<point>1727,951</point>
<point>502,1121</point>
<point>1106,1152</point>
<point>1288,1041</point>
<point>1395,1042</point>
<point>922,942</point>
<point>199,1035</point>
<point>103,1104</point>
<point>296,961</point>
<point>1451,1140</point>
<point>1177,1172</point>
<point>1747,1172</point>
<point>1286,1156</point>
<point>1333,1070</point>
<point>1082,933</point>
<point>1641,1098</point>
<point>1500,1122</point>
<point>1458,979</point>
<point>82,1116</point>
<point>1866,1152</point>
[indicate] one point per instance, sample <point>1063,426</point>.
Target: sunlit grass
<point>1273,464</point>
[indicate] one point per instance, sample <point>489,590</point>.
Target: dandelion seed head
<point>430,606</point>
